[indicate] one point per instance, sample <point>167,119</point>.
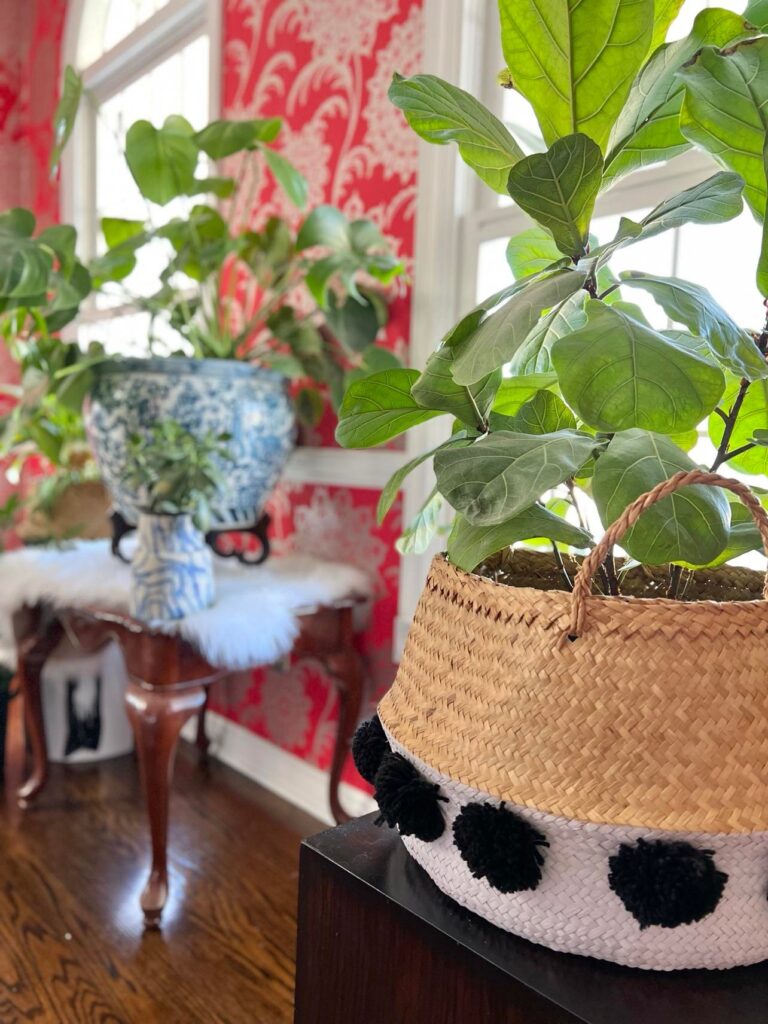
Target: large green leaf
<point>469,545</point>
<point>420,532</point>
<point>161,160</point>
<point>665,12</point>
<point>501,334</point>
<point>223,138</point>
<point>436,389</point>
<point>65,114</point>
<point>713,201</point>
<point>291,181</point>
<point>648,128</point>
<point>725,111</point>
<point>544,413</point>
<point>378,408</point>
<point>692,305</point>
<point>354,246</point>
<point>558,189</point>
<point>392,487</point>
<point>574,60</point>
<point>535,353</point>
<point>531,251</point>
<point>757,14</point>
<point>514,392</point>
<point>617,373</point>
<point>504,473</point>
<point>753,416</point>
<point>689,526</point>
<point>25,265</point>
<point>762,263</point>
<point>442,113</point>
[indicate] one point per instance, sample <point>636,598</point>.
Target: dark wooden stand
<point>169,682</point>
<point>380,944</point>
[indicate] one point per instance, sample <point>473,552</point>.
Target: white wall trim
<point>340,468</point>
<point>284,774</point>
<point>445,192</point>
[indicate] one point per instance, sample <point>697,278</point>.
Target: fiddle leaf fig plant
<point>562,394</point>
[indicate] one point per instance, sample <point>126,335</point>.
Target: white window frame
<point>166,32</point>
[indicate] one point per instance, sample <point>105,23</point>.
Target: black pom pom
<point>666,883</point>
<point>407,800</point>
<point>369,745</point>
<point>500,846</point>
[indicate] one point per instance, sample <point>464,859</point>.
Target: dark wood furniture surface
<point>168,684</point>
<point>378,943</point>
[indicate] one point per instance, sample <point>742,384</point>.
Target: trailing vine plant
<point>558,384</point>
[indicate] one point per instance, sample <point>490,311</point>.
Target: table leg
<point>32,652</point>
<point>157,717</point>
<point>348,674</point>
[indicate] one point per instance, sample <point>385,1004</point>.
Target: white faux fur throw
<point>254,620</point>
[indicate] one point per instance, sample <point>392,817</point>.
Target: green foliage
<point>616,373</point>
<point>557,384</point>
<point>469,545</point>
<point>690,526</point>
<point>648,130</point>
<point>175,471</point>
<point>209,256</point>
<point>558,189</point>
<point>65,114</point>
<point>726,110</point>
<point>442,113</point>
<point>575,61</point>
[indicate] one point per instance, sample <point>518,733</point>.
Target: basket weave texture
<point>612,710</point>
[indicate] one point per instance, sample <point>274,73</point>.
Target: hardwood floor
<point>72,949</point>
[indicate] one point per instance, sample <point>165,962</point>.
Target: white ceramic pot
<point>172,569</point>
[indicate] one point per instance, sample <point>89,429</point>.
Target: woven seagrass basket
<point>589,772</point>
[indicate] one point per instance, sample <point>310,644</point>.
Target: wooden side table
<point>378,942</point>
<point>169,682</point>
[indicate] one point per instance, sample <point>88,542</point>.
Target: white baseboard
<point>294,780</point>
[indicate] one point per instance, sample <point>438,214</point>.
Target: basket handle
<point>582,585</point>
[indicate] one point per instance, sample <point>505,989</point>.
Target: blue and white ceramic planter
<point>220,395</point>
<point>172,569</point>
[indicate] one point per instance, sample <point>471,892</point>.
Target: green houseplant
<point>176,475</point>
<point>232,356</point>
<point>557,384</point>
<point>580,768</point>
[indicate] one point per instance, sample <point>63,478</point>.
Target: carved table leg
<point>157,717</point>
<point>33,650</point>
<point>348,674</point>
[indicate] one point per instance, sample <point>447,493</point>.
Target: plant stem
<point>575,504</point>
<point>561,563</point>
<point>610,572</point>
<point>675,576</point>
<point>723,455</point>
<point>608,291</point>
<point>730,423</point>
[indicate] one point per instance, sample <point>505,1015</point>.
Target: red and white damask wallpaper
<point>324,66</point>
<point>30,48</point>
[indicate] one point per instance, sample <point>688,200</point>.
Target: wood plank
<point>72,946</point>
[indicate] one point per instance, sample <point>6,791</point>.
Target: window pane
<point>179,85</point>
<point>105,23</point>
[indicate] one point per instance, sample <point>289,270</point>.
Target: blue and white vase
<point>172,569</point>
<point>222,396</point>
